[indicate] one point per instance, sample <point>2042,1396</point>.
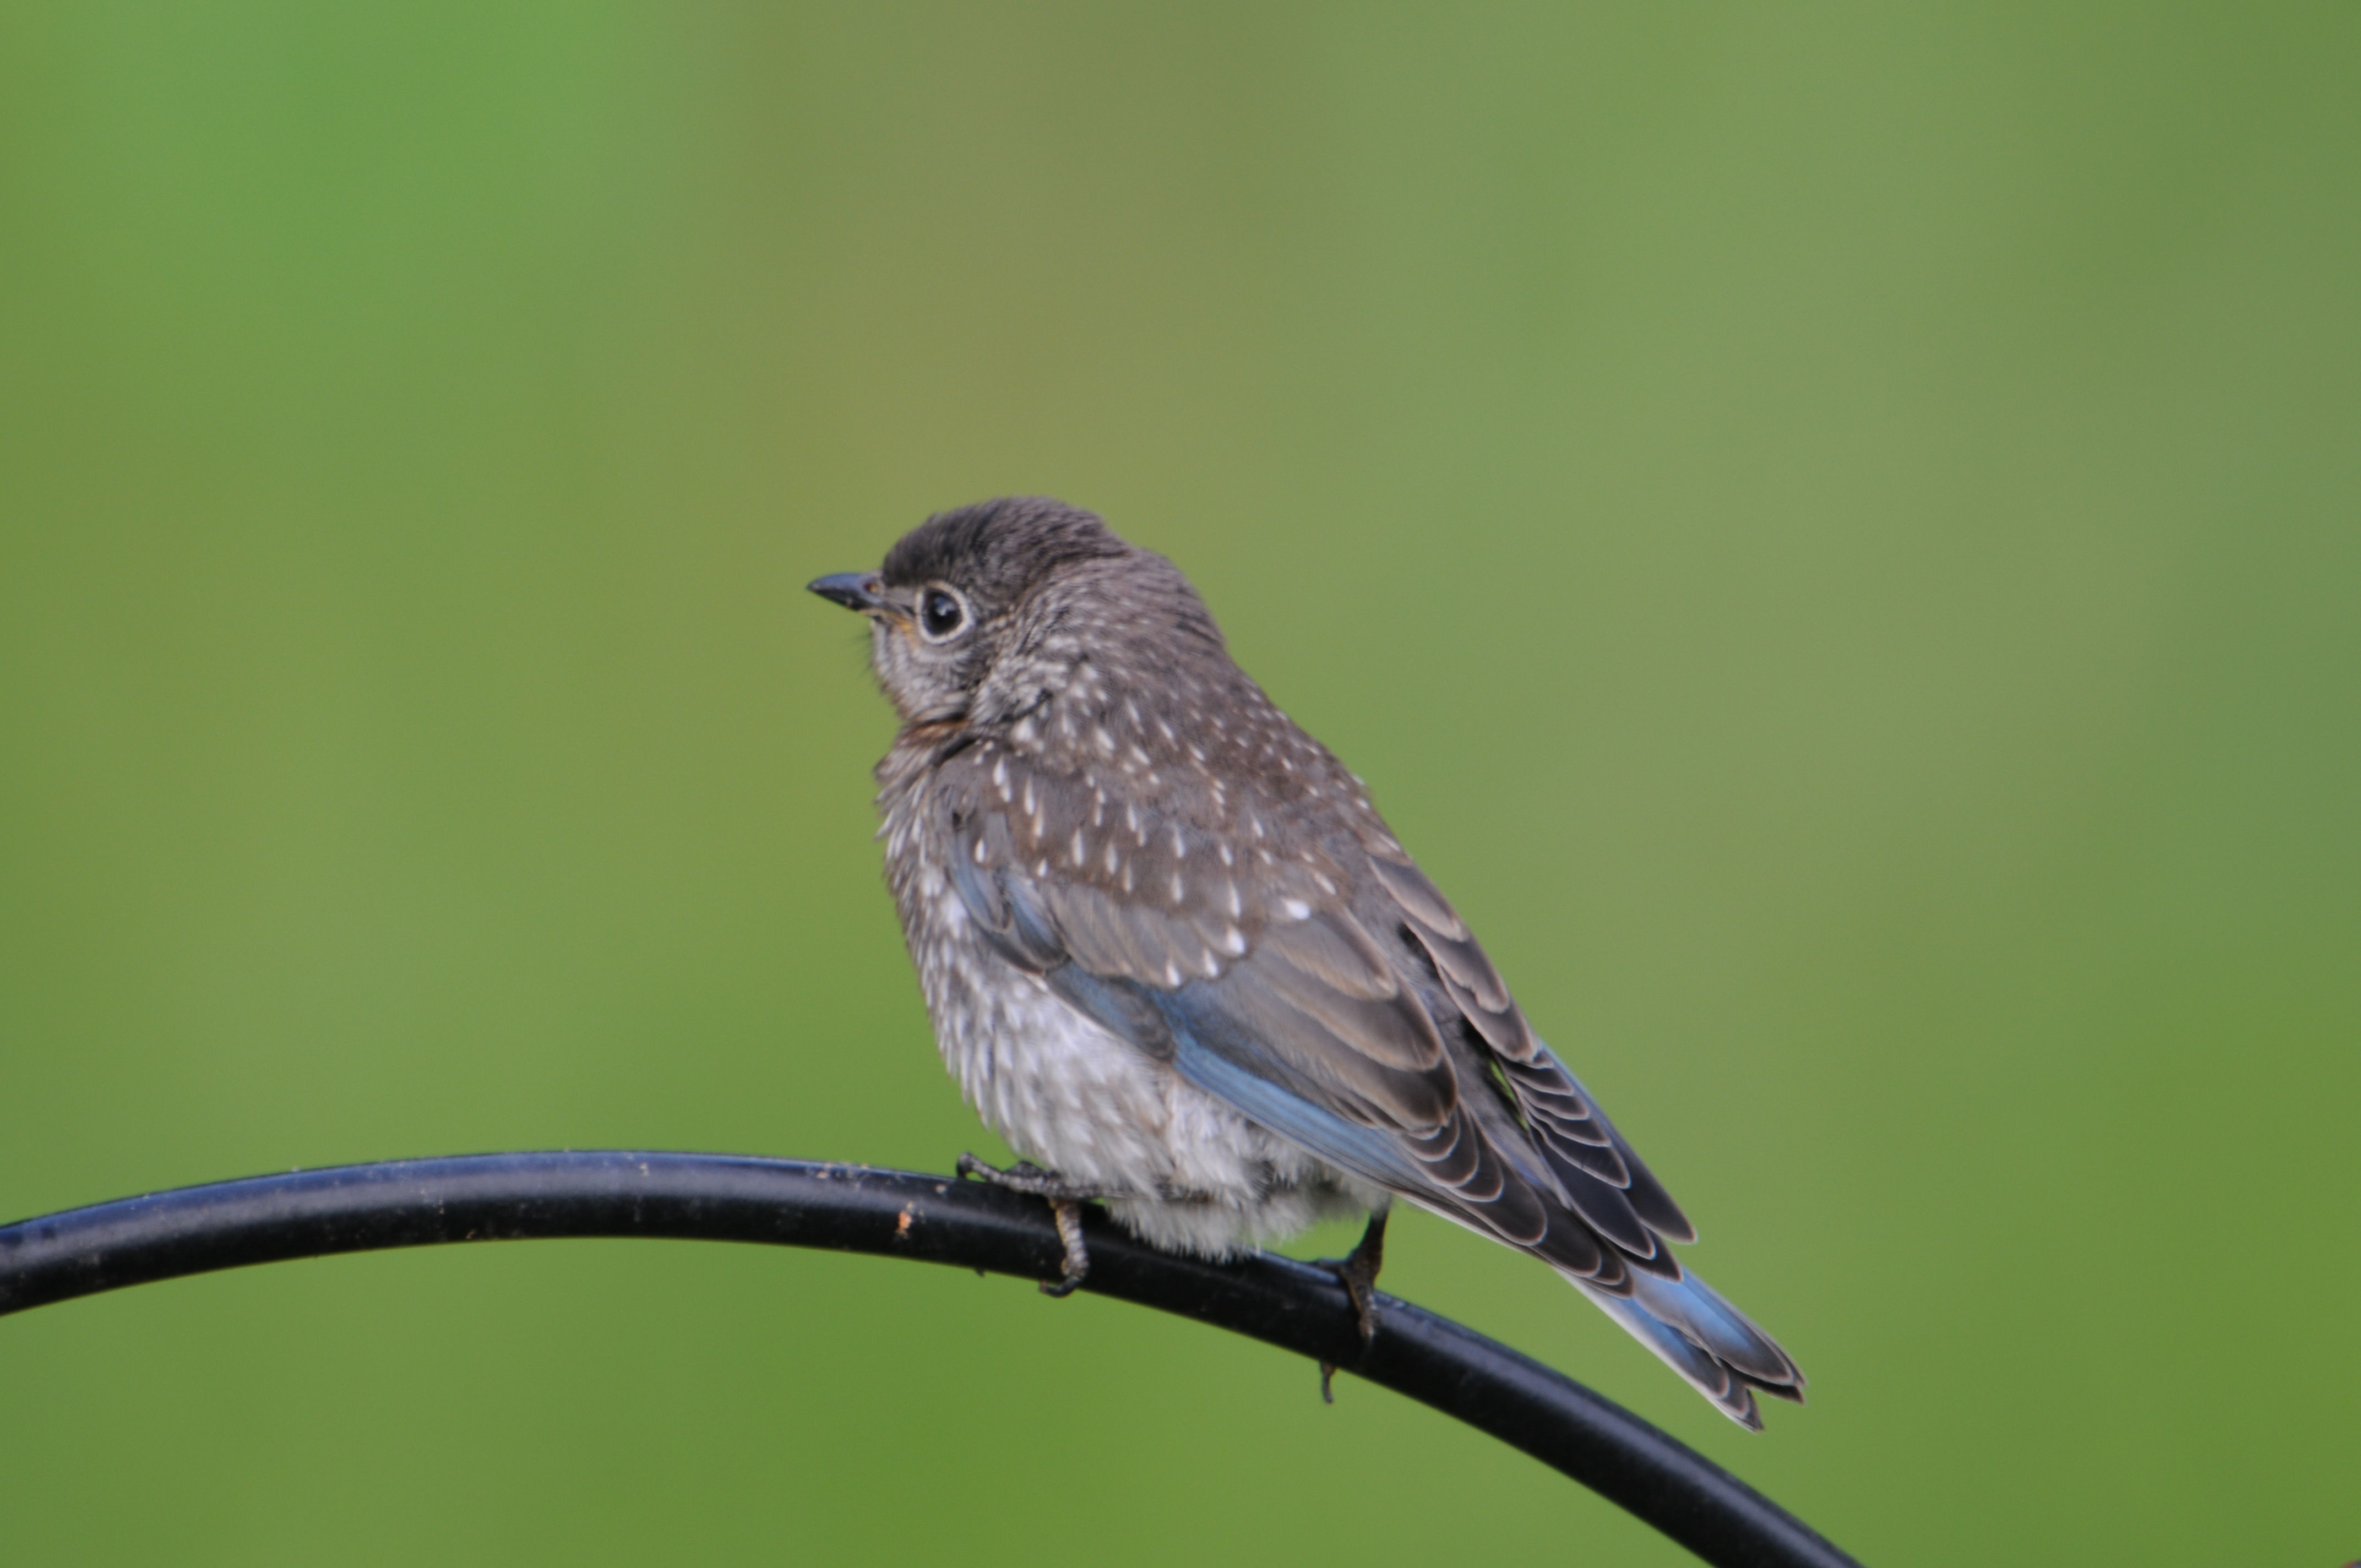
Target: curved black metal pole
<point>895,1213</point>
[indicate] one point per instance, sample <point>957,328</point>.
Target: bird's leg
<point>1358,1273</point>
<point>1065,1200</point>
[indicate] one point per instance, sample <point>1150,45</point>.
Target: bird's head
<point>978,615</point>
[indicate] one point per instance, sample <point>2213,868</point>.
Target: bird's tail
<point>1705,1339</point>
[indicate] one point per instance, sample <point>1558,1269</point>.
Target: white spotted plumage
<point>1186,967</point>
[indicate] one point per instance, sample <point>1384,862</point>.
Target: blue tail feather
<point>1705,1339</point>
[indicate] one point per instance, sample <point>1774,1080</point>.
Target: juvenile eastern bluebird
<point>1173,955</point>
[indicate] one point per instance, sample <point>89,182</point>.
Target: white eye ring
<point>943,612</point>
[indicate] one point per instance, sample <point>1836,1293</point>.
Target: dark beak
<point>853,590</point>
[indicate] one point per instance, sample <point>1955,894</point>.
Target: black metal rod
<point>894,1213</point>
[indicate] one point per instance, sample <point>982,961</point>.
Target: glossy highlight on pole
<point>928,1219</point>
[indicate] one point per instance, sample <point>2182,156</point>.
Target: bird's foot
<point>1065,1200</point>
<point>1358,1273</point>
<point>1031,1180</point>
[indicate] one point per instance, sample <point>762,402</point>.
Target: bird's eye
<point>941,614</point>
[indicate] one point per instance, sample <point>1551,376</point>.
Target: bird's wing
<point>1562,1120</point>
<point>1248,969</point>
<point>1328,991</point>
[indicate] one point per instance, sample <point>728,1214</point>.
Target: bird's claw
<point>1069,1215</point>
<point>1065,1200</point>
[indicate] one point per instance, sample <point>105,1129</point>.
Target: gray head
<point>978,613</point>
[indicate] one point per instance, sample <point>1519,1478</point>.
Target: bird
<point>1175,960</point>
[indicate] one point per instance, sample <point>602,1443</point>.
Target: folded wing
<point>1331,993</point>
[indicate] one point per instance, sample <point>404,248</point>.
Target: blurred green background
<point>1833,533</point>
